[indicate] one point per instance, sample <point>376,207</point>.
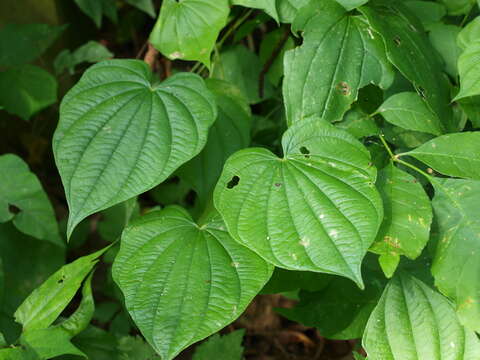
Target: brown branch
<point>151,56</point>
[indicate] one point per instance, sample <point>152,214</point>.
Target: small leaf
<point>351,4</point>
<point>458,7</point>
<point>144,5</point>
<point>228,347</point>
<point>46,302</point>
<point>119,135</point>
<point>189,29</point>
<point>409,111</point>
<point>315,209</point>
<point>20,189</point>
<point>408,214</point>
<point>411,321</point>
<point>23,43</point>
<point>453,154</point>
<point>455,265</point>
<point>182,281</point>
<point>90,52</point>
<point>349,53</point>
<point>26,90</point>
<point>95,9</point>
<point>269,6</point>
<point>410,51</point>
<point>358,123</point>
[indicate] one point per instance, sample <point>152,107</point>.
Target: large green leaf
<point>46,302</point>
<point>453,155</point>
<point>27,89</point>
<point>339,55</point>
<point>188,29</point>
<point>182,281</point>
<point>315,209</point>
<point>21,189</point>
<point>408,214</point>
<point>119,135</point>
<point>409,111</point>
<point>444,39</point>
<point>228,347</point>
<point>457,205</point>
<point>411,321</point>
<point>410,51</point>
<point>428,12</point>
<point>229,133</point>
<point>21,44</point>
<point>458,7</point>
<point>469,70</point>
<point>469,34</point>
<point>288,9</point>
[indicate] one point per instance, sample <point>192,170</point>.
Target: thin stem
<point>382,139</point>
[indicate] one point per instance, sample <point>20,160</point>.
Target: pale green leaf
<point>269,6</point>
<point>144,5</point>
<point>349,54</point>
<point>411,321</point>
<point>409,111</point>
<point>471,107</point>
<point>408,215</point>
<point>23,43</point>
<point>228,347</point>
<point>315,209</point>
<point>288,9</point>
<point>469,70</point>
<point>21,188</point>
<point>455,268</point>
<point>428,12</point>
<point>389,264</point>
<point>182,281</point>
<point>458,7</point>
<point>444,39</point>
<point>90,52</point>
<point>119,135</point>
<point>26,90</point>
<point>453,154</point>
<point>469,34</point>
<point>351,4</point>
<point>189,29</point>
<point>410,51</point>
<point>46,302</point>
<point>229,133</point>
<point>242,67</point>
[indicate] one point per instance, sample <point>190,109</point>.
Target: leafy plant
<point>325,150</point>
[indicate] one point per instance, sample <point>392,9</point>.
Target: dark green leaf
<point>228,347</point>
<point>444,40</point>
<point>90,52</point>
<point>358,123</point>
<point>145,5</point>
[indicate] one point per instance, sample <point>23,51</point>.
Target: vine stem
<point>396,158</point>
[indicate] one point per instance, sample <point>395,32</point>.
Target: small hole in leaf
<point>233,182</point>
<point>397,41</point>
<point>61,280</point>
<point>305,151</point>
<point>278,184</point>
<point>13,209</point>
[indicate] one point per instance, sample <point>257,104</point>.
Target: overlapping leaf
<point>339,55</point>
<point>454,154</point>
<point>119,135</point>
<point>315,209</point>
<point>408,214</point>
<point>411,321</point>
<point>183,281</point>
<point>188,29</point>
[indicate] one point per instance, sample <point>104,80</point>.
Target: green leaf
<point>221,347</point>
<point>411,321</point>
<point>409,111</point>
<point>119,135</point>
<point>183,281</point>
<point>358,123</point>
<point>408,215</point>
<point>95,9</point>
<point>241,67</point>
<point>428,12</point>
<point>286,280</point>
<point>351,4</point>
<point>458,7</point>
<point>444,40</point>
<point>453,154</point>
<point>469,34</point>
<point>134,348</point>
<point>90,52</point>
<point>410,51</point>
<point>46,302</point>
<point>269,47</point>
<point>21,189</point>
<point>340,311</point>
<point>315,209</point>
<point>144,5</point>
<point>471,107</point>
<point>349,54</point>
<point>469,70</point>
<point>269,6</point>
<point>229,133</point>
<point>189,29</point>
<point>23,43</point>
<point>455,265</point>
<point>114,219</point>
<point>403,138</point>
<point>26,90</point>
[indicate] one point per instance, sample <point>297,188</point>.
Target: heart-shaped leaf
<point>315,209</point>
<point>182,281</point>
<point>119,135</point>
<point>411,321</point>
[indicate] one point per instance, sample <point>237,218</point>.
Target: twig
<point>151,56</point>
